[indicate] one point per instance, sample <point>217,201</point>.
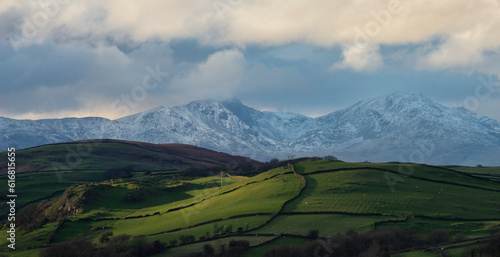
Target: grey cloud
<point>45,78</point>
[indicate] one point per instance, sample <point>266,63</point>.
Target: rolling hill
<point>106,154</point>
<point>44,172</point>
<point>277,206</point>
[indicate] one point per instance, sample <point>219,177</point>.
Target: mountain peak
<point>407,97</point>
<point>389,127</point>
<point>233,100</point>
<point>398,103</point>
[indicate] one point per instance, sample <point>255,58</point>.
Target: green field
<point>367,191</point>
<point>326,224</point>
<point>260,250</point>
<point>43,173</point>
<point>335,197</point>
<point>254,241</point>
<point>489,173</point>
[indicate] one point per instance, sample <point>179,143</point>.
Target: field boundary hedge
<point>398,173</point>
<point>339,212</point>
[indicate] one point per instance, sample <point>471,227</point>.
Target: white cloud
<point>218,77</point>
<point>7,4</point>
<point>323,22</point>
<point>469,27</point>
<point>364,57</point>
<point>462,49</point>
<point>86,32</point>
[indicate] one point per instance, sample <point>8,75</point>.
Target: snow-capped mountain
<point>396,127</point>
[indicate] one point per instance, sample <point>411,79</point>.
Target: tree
<point>439,236</point>
<point>105,236</point>
<point>228,230</point>
<point>173,242</point>
<point>135,196</point>
<point>119,172</point>
<point>313,234</point>
<point>75,247</point>
<point>330,158</point>
<point>246,168</point>
<point>29,218</point>
<point>243,243</point>
<point>208,250</point>
<point>238,247</point>
<point>187,239</point>
<point>373,251</point>
<point>284,250</point>
<point>159,246</point>
<point>460,237</point>
<point>493,229</point>
<point>138,241</point>
<point>119,243</point>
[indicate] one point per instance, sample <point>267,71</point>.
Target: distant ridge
<point>395,127</point>
<point>107,154</point>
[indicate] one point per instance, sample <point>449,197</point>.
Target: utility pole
<point>221,179</point>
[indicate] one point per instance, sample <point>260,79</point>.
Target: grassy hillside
<point>106,154</point>
<point>490,173</point>
<point>281,205</point>
<point>43,173</point>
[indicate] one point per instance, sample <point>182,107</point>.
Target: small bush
<point>135,196</point>
<point>208,250</point>
<point>105,236</point>
<point>439,236</point>
<point>313,234</point>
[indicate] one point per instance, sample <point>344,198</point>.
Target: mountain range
<point>395,127</point>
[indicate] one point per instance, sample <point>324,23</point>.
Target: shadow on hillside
<point>118,198</point>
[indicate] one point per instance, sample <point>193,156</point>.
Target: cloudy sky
<point>110,58</point>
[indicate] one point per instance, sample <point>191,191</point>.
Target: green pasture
<point>368,191</point>
<point>327,224</point>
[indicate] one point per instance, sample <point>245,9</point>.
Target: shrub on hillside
<point>491,248</point>
<point>29,218</point>
<point>76,247</point>
<point>313,234</point>
<point>119,172</point>
<point>119,243</point>
<point>135,196</point>
<point>284,250</point>
<point>208,250</point>
<point>105,236</point>
<point>137,247</point>
<point>187,239</point>
<point>378,243</point>
<point>439,236</point>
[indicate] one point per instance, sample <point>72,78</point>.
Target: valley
<point>187,202</point>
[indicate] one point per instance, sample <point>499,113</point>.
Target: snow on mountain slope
<point>278,126</point>
<point>406,128</point>
<point>396,127</point>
